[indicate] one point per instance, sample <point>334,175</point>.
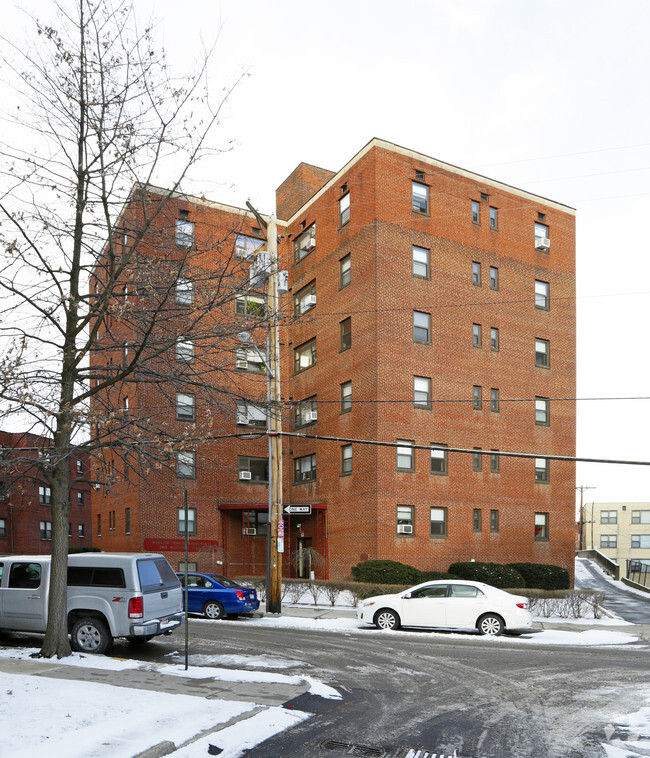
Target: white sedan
<point>449,604</point>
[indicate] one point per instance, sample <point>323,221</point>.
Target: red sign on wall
<point>158,545</point>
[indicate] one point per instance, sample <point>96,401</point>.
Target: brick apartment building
<point>427,306</point>
<point>25,497</point>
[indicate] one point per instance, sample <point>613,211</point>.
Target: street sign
<point>280,544</point>
<point>304,510</point>
<point>281,528</point>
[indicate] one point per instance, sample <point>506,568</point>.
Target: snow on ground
<point>582,574</point>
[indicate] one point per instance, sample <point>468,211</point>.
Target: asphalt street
<point>629,605</point>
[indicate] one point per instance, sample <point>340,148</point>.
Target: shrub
<point>490,573</point>
<point>386,572</point>
<point>362,590</point>
<point>543,576</point>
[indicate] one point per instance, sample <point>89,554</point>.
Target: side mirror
<point>407,596</point>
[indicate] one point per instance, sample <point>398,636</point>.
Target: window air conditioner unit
<point>310,300</point>
<point>240,252</point>
<point>242,418</point>
<point>251,531</point>
<point>404,529</point>
<point>305,475</point>
<point>311,244</point>
<point>246,475</point>
<point>542,243</point>
<point>312,415</point>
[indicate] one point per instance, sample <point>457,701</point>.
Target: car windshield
<point>223,580</point>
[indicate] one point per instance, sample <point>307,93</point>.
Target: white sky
<point>549,96</point>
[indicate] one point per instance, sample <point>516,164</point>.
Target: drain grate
<point>349,748</point>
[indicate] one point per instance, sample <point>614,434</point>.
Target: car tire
<point>386,619</point>
<point>490,625</point>
<point>90,635</point>
<point>213,610</point>
<point>140,640</point>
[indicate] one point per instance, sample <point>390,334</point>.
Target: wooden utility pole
<point>581,540</point>
<point>274,592</point>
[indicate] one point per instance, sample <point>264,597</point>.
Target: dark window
<point>420,198</point>
<point>477,460</point>
<point>346,397</point>
<point>25,576</point>
<point>477,520</point>
<point>191,520</point>
<point>346,460</point>
<point>304,356</point>
<point>346,334</point>
<point>542,353</point>
<point>253,469</point>
<point>494,522</point>
<point>304,469</point>
<point>438,522</point>
<point>345,270</point>
<point>477,397</point>
<point>156,574</point>
<point>494,400</point>
<point>438,461</point>
<point>493,218</point>
<point>494,278</point>
<point>476,212</point>
<point>421,327</point>
<point>476,273</point>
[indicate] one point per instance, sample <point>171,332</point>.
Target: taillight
<point>523,606</point>
<point>240,595</point>
<point>136,607</point>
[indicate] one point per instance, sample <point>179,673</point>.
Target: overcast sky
<point>550,96</point>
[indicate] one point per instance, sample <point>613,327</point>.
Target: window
<point>421,392</point>
<point>185,406</point>
<point>3,492</point>
<point>542,411</point>
<point>541,231</point>
<point>484,197</point>
<point>184,291</point>
<point>191,566</point>
<point>346,460</point>
<point>541,526</point>
<point>477,519</point>
<point>184,349</point>
<point>542,298</point>
<point>255,523</point>
<point>246,247</point>
<point>249,359</point>
<point>541,470</point>
<point>405,455</point>
<point>45,495</point>
<point>185,464</point>
<point>127,521</point>
<point>249,305</point>
<point>111,521</point>
<point>608,541</point>
<point>640,541</point>
<point>184,232</point>
<point>476,212</point>
<point>345,270</point>
<point>494,400</point>
<point>494,339</point>
<point>477,397</point>
<point>250,414</point>
<point>81,531</point>
<point>304,356</point>
<point>477,460</point>
<point>494,522</point>
<point>608,517</point>
<point>438,522</point>
<point>191,520</point>
<point>493,218</point>
<point>79,466</point>
<point>494,462</point>
<point>253,469</point>
<point>304,244</point>
<point>640,517</point>
<point>405,519</point>
<point>3,527</point>
<point>304,469</point>
<point>542,353</point>
<point>306,412</point>
<point>46,530</point>
<point>476,335</point>
<point>438,461</point>
<point>420,262</point>
<point>80,497</point>
<point>420,198</point>
<point>494,278</point>
<point>346,334</point>
<point>346,397</point>
<point>421,327</point>
<point>304,299</point>
<point>99,524</point>
<point>476,273</point>
<point>344,210</point>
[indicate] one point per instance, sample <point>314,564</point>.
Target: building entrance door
<point>303,557</point>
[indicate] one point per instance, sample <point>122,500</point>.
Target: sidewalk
<point>259,699</point>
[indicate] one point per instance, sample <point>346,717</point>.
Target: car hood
<point>380,599</point>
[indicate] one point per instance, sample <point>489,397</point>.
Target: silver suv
<point>131,595</point>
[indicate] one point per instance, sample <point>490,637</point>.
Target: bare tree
<point>99,114</point>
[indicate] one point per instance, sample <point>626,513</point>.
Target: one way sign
<point>304,510</point>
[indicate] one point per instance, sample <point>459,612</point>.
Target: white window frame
<point>184,349</point>
<point>185,401</point>
<point>440,521</point>
<point>542,295</point>
<point>344,209</point>
<point>420,198</point>
<point>184,291</point>
<point>184,234</point>
<point>191,521</point>
<point>420,262</point>
<point>405,452</point>
<point>422,392</point>
<point>186,464</point>
<point>542,353</point>
<point>421,324</point>
<point>346,460</point>
<point>250,414</point>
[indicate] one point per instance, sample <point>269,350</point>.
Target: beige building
<point>621,531</point>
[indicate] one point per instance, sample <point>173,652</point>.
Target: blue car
<point>217,596</point>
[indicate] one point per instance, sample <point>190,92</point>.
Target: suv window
<point>87,576</point>
<point>156,574</point>
<point>25,576</point>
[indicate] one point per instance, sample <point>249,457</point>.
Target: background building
<point>428,306</point>
<point>26,493</point>
<point>621,531</point>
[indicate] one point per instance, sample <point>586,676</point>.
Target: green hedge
<point>386,572</point>
<point>490,573</point>
<point>543,576</point>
